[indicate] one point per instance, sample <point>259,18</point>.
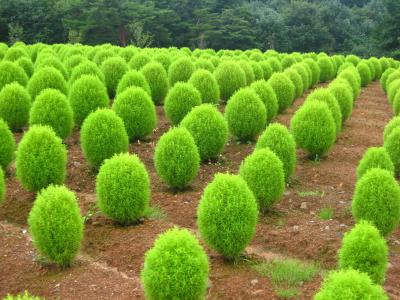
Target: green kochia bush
<point>205,82</point>
<point>248,71</point>
<point>133,78</point>
<point>24,296</point>
<point>392,146</point>
<point>246,114</point>
<point>113,69</point>
<point>384,77</point>
<point>157,78</point>
<point>41,159</point>
<point>52,62</point>
<point>10,72</point>
<point>313,128</point>
<point>344,97</point>
<point>284,90</point>
<point>315,70</point>
<point>350,75</point>
<point>87,94</point>
<point>393,123</point>
<point>103,135</point>
<point>52,108</point>
<point>280,141</point>
<point>230,77</point>
<point>177,158</point>
<point>123,188</point>
<point>86,68</point>
<point>139,61</point>
<point>15,103</point>
<point>327,68</point>
<point>377,199</point>
<point>180,70</point>
<point>26,64</point>
<point>46,78</point>
<point>268,96</point>
<point>392,90</point>
<point>365,250</point>
<point>350,285</point>
<point>263,172</point>
<point>375,157</point>
<point>208,128</point>
<point>138,112</point>
<point>7,145</point>
<point>180,100</point>
<point>56,225</point>
<point>175,268</point>
<point>365,73</point>
<point>2,186</point>
<point>295,77</point>
<point>227,215</point>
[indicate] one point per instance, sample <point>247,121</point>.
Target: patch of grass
<point>326,213</point>
<point>287,293</point>
<point>304,194</point>
<point>155,213</point>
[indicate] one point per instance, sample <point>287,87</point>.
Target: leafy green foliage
<point>56,225</point>
<point>326,67</point>
<point>295,77</point>
<point>392,146</point>
<point>113,69</point>
<point>390,126</point>
<point>7,145</point>
<point>384,77</point>
<point>377,199</point>
<point>2,186</point>
<point>15,103</point>
<point>375,157</point>
<point>365,73</point>
<point>139,61</point>
<point>52,62</point>
<point>267,95</point>
<point>284,90</point>
<point>117,196</point>
<point>11,72</point>
<point>205,82</point>
<point>344,96</point>
<point>24,296</point>
<point>180,70</point>
<point>158,80</point>
<point>350,76</point>
<point>86,68</point>
<point>176,267</point>
<point>133,78</point>
<point>227,215</point>
<point>230,77</point>
<point>46,78</point>
<point>26,64</point>
<point>248,71</point>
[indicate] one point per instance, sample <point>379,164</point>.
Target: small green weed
<point>304,194</point>
<point>326,213</point>
<point>155,213</point>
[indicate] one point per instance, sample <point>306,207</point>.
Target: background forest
<point>362,27</point>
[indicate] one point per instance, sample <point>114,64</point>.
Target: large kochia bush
<point>10,72</point>
<point>205,82</point>
<point>284,90</point>
<point>344,97</point>
<point>392,146</point>
<point>268,96</point>
<point>86,68</point>
<point>230,77</point>
<point>56,225</point>
<point>7,145</point>
<point>113,69</point>
<point>133,78</point>
<point>227,215</point>
<point>157,78</point>
<point>175,268</point>
<point>375,157</point>
<point>180,70</point>
<point>46,78</point>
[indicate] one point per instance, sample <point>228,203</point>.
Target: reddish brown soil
<point>111,256</point>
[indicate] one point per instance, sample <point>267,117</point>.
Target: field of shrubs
<point>131,173</point>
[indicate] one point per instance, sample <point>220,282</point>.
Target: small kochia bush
<point>305,74</point>
<point>180,100</point>
<point>102,55</point>
<point>326,67</point>
<point>24,296</point>
<point>263,172</point>
<point>377,199</point>
<point>113,69</point>
<point>351,76</point>
<point>248,71</point>
<point>350,285</point>
<point>52,108</point>
<point>392,90</point>
<point>138,112</point>
<point>246,114</point>
<point>230,77</point>
<point>344,96</point>
<point>26,64</point>
<point>11,72</point>
<point>205,82</point>
<point>87,94</point>
<point>313,128</point>
<point>266,68</point>
<point>384,78</point>
<point>163,59</point>
<point>280,141</point>
<point>315,70</point>
<point>275,64</point>
<point>365,73</point>
<point>258,71</point>
<point>227,215</point>
<point>7,145</point>
<point>204,64</point>
<point>180,70</point>
<point>15,103</point>
<point>52,62</point>
<point>375,157</point>
<point>103,134</point>
<point>365,250</point>
<point>208,128</point>
<point>393,123</point>
<point>86,68</point>
<point>377,67</point>
<point>139,61</point>
<point>133,78</point>
<point>284,90</point>
<point>41,159</point>
<point>392,146</point>
<point>157,78</point>
<point>392,77</point>
<point>56,225</point>
<point>295,77</point>
<point>46,78</point>
<point>177,158</point>
<point>176,267</point>
<point>267,95</point>
<point>123,188</point>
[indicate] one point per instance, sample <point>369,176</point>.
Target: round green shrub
<point>24,296</point>
<point>350,76</point>
<point>365,73</point>
<point>295,77</point>
<point>350,285</point>
<point>113,69</point>
<point>392,146</point>
<point>163,59</point>
<point>52,108</point>
<point>73,61</point>
<point>103,135</point>
<point>248,71</point>
<point>377,199</point>
<point>158,80</point>
<point>209,130</point>
<point>180,70</point>
<point>139,61</point>
<point>344,96</point>
<point>315,70</point>
<point>204,64</point>
<point>266,68</point>
<point>52,62</point>
<point>180,100</point>
<point>275,64</point>
<point>128,52</point>
<point>205,82</point>
<point>385,64</point>
<point>7,145</point>
<point>102,55</point>
<point>175,268</point>
<point>393,89</point>
<point>56,225</point>
<point>14,53</point>
<point>365,250</point>
<point>267,95</point>
<point>392,77</point>
<point>257,70</point>
<point>123,188</point>
<point>230,77</point>
<point>384,78</point>
<point>11,72</point>
<point>301,69</point>
<point>353,59</point>
<point>313,128</point>
<point>375,157</point>
<point>133,78</point>
<point>176,158</point>
<point>41,159</point>
<point>138,112</point>
<point>15,103</point>
<point>227,215</point>
<point>287,61</point>
<point>246,114</point>
<point>393,123</point>
<point>284,90</point>
<point>280,141</point>
<point>2,186</point>
<point>46,78</point>
<point>27,65</point>
<point>263,172</point>
<point>327,69</point>
<point>86,68</point>
<point>377,67</point>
